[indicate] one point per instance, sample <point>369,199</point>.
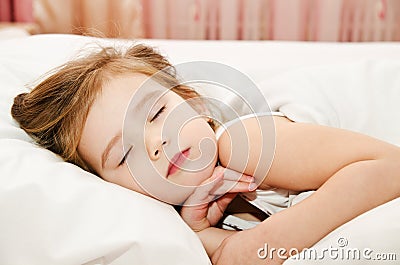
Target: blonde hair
<point>55,111</point>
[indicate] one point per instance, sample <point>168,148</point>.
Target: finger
<point>199,197</point>
<point>230,174</point>
<point>223,202</point>
<point>233,187</point>
<point>217,173</point>
<point>217,209</point>
<point>203,193</point>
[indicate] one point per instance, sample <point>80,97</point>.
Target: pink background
<point>303,20</point>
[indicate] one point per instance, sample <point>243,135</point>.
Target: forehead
<point>106,115</point>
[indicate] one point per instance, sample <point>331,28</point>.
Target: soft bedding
<point>55,213</point>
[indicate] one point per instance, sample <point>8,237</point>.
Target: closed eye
<point>125,156</point>
<point>161,110</point>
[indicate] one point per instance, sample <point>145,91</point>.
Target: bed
<point>53,212</point>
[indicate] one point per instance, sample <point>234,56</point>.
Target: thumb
<point>203,193</point>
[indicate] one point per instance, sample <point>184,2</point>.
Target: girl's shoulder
<point>220,130</point>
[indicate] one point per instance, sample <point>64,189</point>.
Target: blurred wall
<point>304,20</point>
<point>105,18</point>
<point>16,11</point>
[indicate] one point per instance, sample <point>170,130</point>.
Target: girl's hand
<point>206,205</point>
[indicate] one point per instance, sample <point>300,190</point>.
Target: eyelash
<point>158,114</point>
<point>124,158</point>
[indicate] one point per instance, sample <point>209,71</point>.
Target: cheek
<point>198,129</point>
<point>203,138</point>
<point>204,174</point>
<point>123,178</point>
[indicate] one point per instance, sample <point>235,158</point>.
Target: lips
<point>177,161</point>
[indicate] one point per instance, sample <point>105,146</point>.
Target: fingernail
<point>219,177</point>
<point>252,186</point>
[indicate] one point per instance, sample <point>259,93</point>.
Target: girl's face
<point>167,146</point>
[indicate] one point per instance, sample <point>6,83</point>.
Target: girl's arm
<point>212,238</point>
<point>352,173</point>
<point>305,155</point>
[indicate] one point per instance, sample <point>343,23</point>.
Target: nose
<point>156,149</point>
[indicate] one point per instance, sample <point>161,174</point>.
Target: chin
<point>205,174</point>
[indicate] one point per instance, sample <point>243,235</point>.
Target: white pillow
<point>53,212</point>
<point>361,96</point>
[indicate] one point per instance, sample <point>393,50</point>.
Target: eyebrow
<point>110,145</point>
<point>145,99</point>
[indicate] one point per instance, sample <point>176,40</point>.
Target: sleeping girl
<point>78,111</point>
